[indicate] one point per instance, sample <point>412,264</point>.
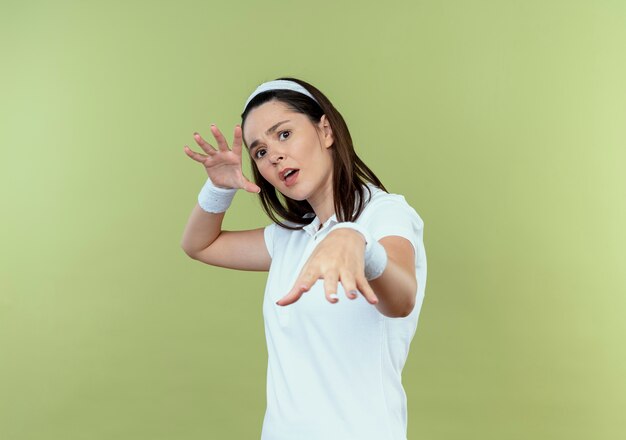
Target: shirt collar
<point>312,228</point>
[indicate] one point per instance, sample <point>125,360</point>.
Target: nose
<point>275,157</point>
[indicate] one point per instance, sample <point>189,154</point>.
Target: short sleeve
<point>392,215</point>
<point>268,233</point>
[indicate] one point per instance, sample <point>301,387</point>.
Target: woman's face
<point>280,139</point>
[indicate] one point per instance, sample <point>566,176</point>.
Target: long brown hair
<point>350,173</point>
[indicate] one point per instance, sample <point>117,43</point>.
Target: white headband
<point>279,84</point>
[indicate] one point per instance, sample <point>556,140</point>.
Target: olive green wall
<point>502,122</point>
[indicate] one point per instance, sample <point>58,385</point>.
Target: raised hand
<point>223,165</point>
<point>340,256</point>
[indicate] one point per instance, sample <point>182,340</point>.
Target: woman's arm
<point>397,286</point>
<point>203,238</point>
<point>340,257</point>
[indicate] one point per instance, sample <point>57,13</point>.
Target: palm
<point>223,165</point>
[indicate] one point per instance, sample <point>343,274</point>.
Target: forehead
<point>264,116</point>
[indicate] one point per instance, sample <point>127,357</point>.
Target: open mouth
<point>290,177</point>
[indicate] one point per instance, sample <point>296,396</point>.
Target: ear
<point>327,131</point>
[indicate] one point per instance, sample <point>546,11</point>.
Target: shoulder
<point>277,230</point>
<point>278,237</point>
<point>387,214</point>
<point>381,205</point>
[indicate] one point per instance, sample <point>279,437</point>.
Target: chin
<point>293,196</point>
<point>297,193</point>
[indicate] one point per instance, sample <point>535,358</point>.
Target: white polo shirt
<point>334,370</point>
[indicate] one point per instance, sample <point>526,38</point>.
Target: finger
<point>349,285</point>
<point>219,137</point>
<point>237,140</point>
<point>294,295</point>
<point>303,284</point>
<point>330,287</point>
<point>195,156</point>
<point>250,187</point>
<point>367,291</point>
<point>208,149</point>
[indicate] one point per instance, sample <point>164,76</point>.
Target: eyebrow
<point>268,132</point>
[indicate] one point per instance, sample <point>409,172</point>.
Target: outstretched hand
<point>223,165</point>
<point>340,256</point>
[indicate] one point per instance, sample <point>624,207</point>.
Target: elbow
<point>410,305</point>
<point>187,251</point>
<point>407,310</point>
<point>401,310</point>
<point>402,303</point>
<point>400,313</point>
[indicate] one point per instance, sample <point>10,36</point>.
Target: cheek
<point>264,171</point>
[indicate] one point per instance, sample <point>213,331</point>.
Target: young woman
<point>346,262</point>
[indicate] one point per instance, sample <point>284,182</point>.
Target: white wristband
<point>215,199</point>
<point>375,254</point>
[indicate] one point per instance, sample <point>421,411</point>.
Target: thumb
<point>251,187</point>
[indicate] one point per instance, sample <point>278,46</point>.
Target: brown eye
<point>257,155</point>
<point>283,132</point>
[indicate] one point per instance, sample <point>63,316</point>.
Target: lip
<point>292,178</point>
<point>281,175</point>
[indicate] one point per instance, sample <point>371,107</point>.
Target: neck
<point>323,204</point>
